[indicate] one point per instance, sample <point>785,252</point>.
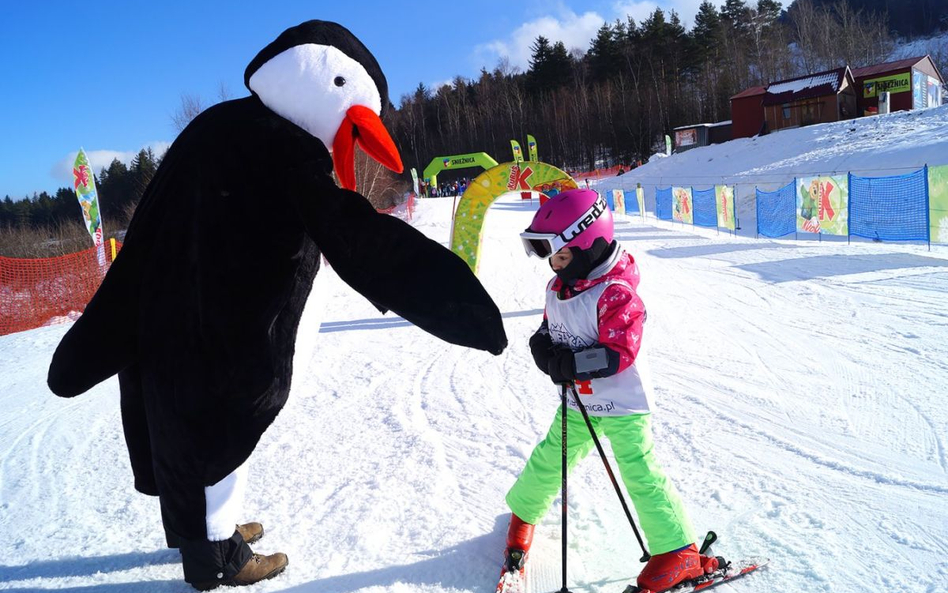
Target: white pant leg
<point>225,504</point>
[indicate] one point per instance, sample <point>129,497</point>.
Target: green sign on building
<point>899,83</point>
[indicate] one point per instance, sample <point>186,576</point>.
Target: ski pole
<point>563,510</point>
<point>615,484</point>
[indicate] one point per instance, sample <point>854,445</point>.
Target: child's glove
<point>541,346</point>
<point>562,366</point>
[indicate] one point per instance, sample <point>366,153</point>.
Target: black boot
<point>208,564</point>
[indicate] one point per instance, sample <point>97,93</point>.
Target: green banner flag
<point>823,205</point>
<point>668,145</point>
<point>414,180</point>
<point>724,201</point>
<point>640,198</point>
<point>532,148</point>
<point>938,203</point>
<point>84,182</point>
<point>517,153</point>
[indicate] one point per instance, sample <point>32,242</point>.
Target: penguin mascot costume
<point>200,309</point>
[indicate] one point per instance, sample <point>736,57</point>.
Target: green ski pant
<point>660,510</point>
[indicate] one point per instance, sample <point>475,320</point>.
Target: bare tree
<point>191,106</point>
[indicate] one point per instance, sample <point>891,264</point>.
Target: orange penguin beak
<point>362,125</point>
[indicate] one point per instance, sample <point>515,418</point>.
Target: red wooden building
<point>747,112</point>
<point>801,101</point>
<point>913,83</point>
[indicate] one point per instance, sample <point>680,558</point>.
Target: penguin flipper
<point>102,341</point>
<point>398,268</point>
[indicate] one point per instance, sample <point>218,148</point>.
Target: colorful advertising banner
<point>686,137</point>
<point>532,148</point>
<point>934,92</point>
<point>459,161</point>
<point>681,205</point>
<point>467,230</point>
<point>823,205</point>
<point>618,198</point>
<point>899,83</point>
<point>724,201</point>
<point>84,183</point>
<point>919,88</point>
<point>640,198</point>
<point>938,203</point>
<point>668,145</point>
<point>517,153</point>
<point>414,180</point>
<point>926,91</point>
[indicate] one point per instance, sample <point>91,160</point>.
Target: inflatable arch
<point>523,176</point>
<point>458,161</point>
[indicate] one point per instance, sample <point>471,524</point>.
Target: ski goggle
<point>544,245</point>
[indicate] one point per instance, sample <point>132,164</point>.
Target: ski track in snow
<point>800,412</point>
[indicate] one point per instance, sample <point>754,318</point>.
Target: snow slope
<point>801,412</point>
<point>892,144</point>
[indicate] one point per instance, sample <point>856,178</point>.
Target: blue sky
<point>109,75</point>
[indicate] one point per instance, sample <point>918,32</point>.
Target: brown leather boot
<point>251,532</point>
<point>259,568</point>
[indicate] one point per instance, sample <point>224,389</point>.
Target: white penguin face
<point>314,86</point>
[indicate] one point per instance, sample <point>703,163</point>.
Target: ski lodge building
<point>835,95</point>
<point>695,135</point>
<point>914,83</point>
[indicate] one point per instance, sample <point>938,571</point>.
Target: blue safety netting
<point>889,208</point>
<point>706,212</point>
<point>631,202</point>
<point>776,214</point>
<point>663,203</point>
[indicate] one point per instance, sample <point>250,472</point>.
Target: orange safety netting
<point>599,173</point>
<point>38,292</point>
<point>409,207</point>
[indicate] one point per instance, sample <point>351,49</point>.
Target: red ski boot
<point>519,540</point>
<point>664,571</point>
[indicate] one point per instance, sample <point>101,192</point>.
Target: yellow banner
<point>900,83</point>
<point>938,203</point>
<point>618,199</point>
<point>724,197</point>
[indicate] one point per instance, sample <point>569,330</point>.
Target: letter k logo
<point>521,181</point>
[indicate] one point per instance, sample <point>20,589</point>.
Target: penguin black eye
<point>339,81</point>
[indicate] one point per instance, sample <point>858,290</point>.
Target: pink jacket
<point>621,311</point>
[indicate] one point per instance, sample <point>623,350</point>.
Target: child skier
<point>592,309</point>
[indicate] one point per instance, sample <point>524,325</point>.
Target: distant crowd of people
<point>446,189</point>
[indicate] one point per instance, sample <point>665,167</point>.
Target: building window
<point>786,111</point>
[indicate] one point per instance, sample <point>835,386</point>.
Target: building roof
<point>886,67</point>
<point>806,87</point>
<point>750,92</point>
<point>714,125</point>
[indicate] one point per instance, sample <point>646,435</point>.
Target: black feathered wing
<point>397,268</point>
<point>102,341</point>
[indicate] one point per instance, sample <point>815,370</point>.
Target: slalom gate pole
<point>612,476</point>
<point>563,498</point>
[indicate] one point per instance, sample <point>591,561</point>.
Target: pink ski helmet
<point>573,218</point>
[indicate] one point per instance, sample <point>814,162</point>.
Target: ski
<point>732,571</point>
<point>513,575</point>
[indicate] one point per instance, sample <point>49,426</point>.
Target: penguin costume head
<point>319,76</point>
